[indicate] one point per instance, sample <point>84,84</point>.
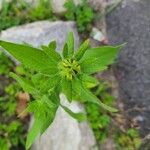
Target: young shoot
<point>69,73</point>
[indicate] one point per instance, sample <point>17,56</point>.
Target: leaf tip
<point>121,46</point>
<point>114,110</point>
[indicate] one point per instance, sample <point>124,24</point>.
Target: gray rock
<point>58,6</point>
<point>65,132</point>
<point>130,23</point>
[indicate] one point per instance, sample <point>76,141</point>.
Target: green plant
<point>18,12</point>
<point>129,140</point>
<point>54,74</point>
<point>11,135</point>
<point>5,64</point>
<point>12,131</point>
<point>82,13</point>
<point>99,122</point>
<point>12,13</point>
<point>99,119</point>
<point>41,11</point>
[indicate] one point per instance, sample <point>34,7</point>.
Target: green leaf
<point>71,8</point>
<point>25,84</point>
<point>65,51</point>
<point>52,100</point>
<point>54,95</point>
<point>88,81</point>
<point>133,133</point>
<point>97,59</point>
<point>51,51</point>
<point>71,88</point>
<point>4,144</point>
<point>44,115</point>
<point>78,116</point>
<point>70,43</point>
<point>38,85</point>
<point>76,88</point>
<point>32,58</point>
<point>52,45</point>
<point>33,133</point>
<point>87,96</point>
<point>90,66</point>
<point>66,86</point>
<point>45,83</point>
<point>80,52</point>
<point>49,112</point>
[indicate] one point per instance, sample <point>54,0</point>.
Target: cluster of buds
<point>69,68</point>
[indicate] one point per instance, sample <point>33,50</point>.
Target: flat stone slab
<point>65,132</point>
<point>130,22</point>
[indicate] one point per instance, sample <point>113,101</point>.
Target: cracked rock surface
<point>130,22</point>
